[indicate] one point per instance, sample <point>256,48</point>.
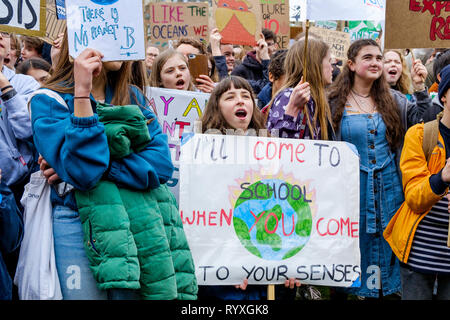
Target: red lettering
<point>267,150</point>
<point>354,229</point>
<point>343,226</point>
<point>414,5</point>
<point>182,124</point>
<point>317,228</point>
<point>297,152</point>
<point>345,223</point>
<point>212,216</point>
<point>287,146</point>
<point>228,217</point>
<point>267,220</point>
<point>328,227</point>
<point>203,215</point>
<point>440,28</point>
<point>254,150</point>
<point>439,6</point>
<point>257,218</point>
<point>293,225</point>
<point>428,5</point>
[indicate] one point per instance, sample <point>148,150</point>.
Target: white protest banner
<point>177,112</point>
<point>268,209</point>
<point>113,27</point>
<point>345,10</point>
<point>27,18</point>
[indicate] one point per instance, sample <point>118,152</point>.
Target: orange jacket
<point>419,198</point>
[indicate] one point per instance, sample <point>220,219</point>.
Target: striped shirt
<point>429,251</point>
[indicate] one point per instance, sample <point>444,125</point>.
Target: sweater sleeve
<point>16,109</point>
<point>148,168</point>
<point>221,66</point>
<point>76,148</point>
<point>417,108</point>
<point>279,120</point>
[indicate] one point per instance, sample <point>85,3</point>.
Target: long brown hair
<point>293,65</point>
<point>62,78</point>
<point>212,117</point>
<point>380,93</point>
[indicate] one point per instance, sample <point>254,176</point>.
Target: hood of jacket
<point>251,62</point>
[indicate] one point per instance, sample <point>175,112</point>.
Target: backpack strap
<point>430,136</point>
<point>49,93</point>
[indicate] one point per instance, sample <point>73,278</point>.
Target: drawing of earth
<point>104,2</point>
<point>272,219</point>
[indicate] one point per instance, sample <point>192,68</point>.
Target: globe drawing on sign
<point>104,2</point>
<point>273,218</point>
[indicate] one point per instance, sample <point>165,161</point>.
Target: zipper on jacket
<point>91,240</point>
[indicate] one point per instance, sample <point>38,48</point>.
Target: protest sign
<point>54,26</point>
<point>339,42</point>
<point>363,30</point>
<point>166,22</point>
<point>177,112</point>
<point>268,209</point>
<point>275,14</point>
<point>417,24</point>
<point>345,10</point>
<point>113,27</point>
<point>27,18</point>
<point>61,9</point>
<point>239,21</point>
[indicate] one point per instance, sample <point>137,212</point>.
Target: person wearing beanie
<point>418,232</point>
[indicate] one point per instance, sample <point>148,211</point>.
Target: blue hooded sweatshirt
<point>77,148</point>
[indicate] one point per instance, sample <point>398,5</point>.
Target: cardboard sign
<point>55,26</point>
<point>113,27</point>
<point>239,22</point>
<point>166,22</point>
<point>346,10</point>
<point>339,42</point>
<point>27,18</point>
<point>177,112</point>
<point>417,24</point>
<point>269,209</point>
<point>275,14</point>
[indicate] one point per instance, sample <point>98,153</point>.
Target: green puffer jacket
<point>135,239</point>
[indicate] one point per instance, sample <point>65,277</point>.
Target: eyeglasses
<point>4,34</point>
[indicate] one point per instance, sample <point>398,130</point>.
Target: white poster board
<point>113,27</point>
<point>177,112</point>
<point>345,10</point>
<point>268,209</point>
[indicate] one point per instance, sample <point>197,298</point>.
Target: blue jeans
<point>75,276</point>
<point>419,286</point>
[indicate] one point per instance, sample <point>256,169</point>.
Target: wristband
<point>6,87</point>
<point>81,98</point>
<point>8,95</point>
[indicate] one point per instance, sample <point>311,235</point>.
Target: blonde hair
<point>404,82</point>
<point>293,64</point>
